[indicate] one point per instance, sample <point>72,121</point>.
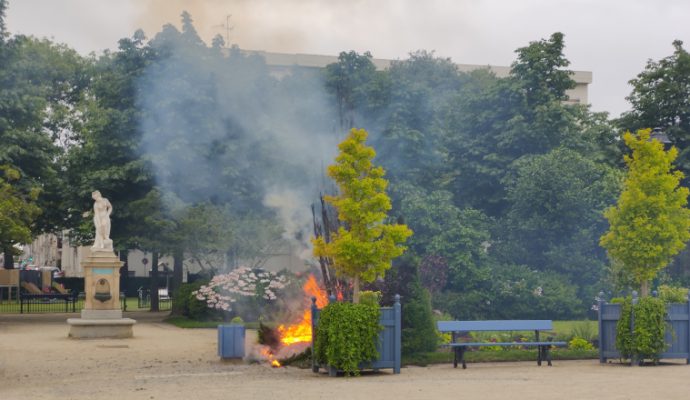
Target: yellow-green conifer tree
<point>651,222</point>
<point>364,246</point>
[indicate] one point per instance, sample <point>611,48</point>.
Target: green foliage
<point>370,298</point>
<point>659,99</point>
<point>18,210</point>
<point>346,336</point>
<point>539,69</point>
<point>186,304</point>
<point>458,235</point>
<point>584,330</point>
<point>578,343</point>
<point>520,292</point>
<point>646,340</point>
<point>365,246</point>
<point>555,215</point>
<point>651,222</point>
<point>418,328</point>
<point>669,294</point>
<point>237,320</point>
<point>351,80</point>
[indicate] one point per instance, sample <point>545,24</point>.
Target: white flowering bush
<point>225,289</point>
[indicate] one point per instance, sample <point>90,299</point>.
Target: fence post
<point>314,310</point>
<point>633,359</point>
<point>687,360</point>
<point>398,328</point>
<point>600,304</point>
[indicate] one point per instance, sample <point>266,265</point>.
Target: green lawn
<point>184,322</point>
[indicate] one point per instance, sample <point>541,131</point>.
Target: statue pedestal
<point>102,315</point>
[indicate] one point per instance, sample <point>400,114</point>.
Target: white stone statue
<point>101,219</point>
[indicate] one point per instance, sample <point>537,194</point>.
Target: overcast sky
<point>611,38</point>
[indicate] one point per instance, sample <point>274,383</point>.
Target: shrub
<point>646,340</point>
<point>418,328</point>
<point>184,302</point>
<point>370,297</point>
<point>670,294</point>
<point>578,343</point>
<point>346,336</point>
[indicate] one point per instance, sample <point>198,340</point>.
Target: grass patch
<point>577,328</point>
<point>184,322</point>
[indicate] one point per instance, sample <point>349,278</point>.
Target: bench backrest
<point>506,325</point>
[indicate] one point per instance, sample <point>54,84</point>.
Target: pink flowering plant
<point>226,289</point>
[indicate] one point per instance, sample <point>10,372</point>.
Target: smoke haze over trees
<point>206,155</point>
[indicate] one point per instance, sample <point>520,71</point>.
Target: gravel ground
<point>38,361</point>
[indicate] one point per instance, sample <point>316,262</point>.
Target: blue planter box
<point>677,331</point>
<point>388,344</point>
<point>231,341</point>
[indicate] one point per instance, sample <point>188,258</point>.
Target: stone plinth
<point>120,328</point>
<point>102,315</point>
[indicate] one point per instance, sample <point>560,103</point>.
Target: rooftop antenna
<point>227,28</point>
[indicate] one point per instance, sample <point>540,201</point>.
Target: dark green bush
<point>186,304</point>
<point>646,340</point>
<point>418,328</point>
<point>346,336</point>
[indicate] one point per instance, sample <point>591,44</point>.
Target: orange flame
<point>301,332</point>
<point>266,352</point>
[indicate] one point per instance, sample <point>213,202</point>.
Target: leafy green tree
<point>651,222</point>
<point>461,237</point>
<point>18,212</point>
<point>350,80</point>
<point>556,215</point>
<point>3,27</point>
<point>410,140</point>
<point>41,85</point>
<point>660,99</point>
<point>365,246</point>
<point>539,69</point>
<point>500,120</point>
<point>106,155</point>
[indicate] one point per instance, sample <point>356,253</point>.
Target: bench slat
<point>470,344</point>
<point>492,325</point>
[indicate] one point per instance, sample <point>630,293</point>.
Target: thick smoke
<point>220,128</point>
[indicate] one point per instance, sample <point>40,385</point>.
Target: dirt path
<point>38,361</point>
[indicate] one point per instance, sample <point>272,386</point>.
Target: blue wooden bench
<point>457,327</point>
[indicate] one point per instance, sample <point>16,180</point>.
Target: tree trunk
<point>355,290</point>
<point>644,289</point>
<point>8,262</point>
<point>153,288</point>
<point>178,255</point>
